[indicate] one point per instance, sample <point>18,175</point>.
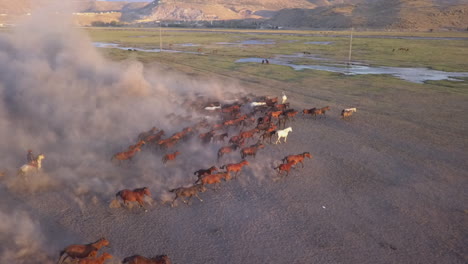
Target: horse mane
<point>140,189</point>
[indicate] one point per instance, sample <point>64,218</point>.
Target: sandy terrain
<point>381,188</point>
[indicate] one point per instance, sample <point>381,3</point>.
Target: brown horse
<point>202,172</point>
<point>139,144</point>
<point>171,156</point>
<point>220,138</point>
<point>188,192</point>
<point>206,137</point>
<point>252,150</point>
<point>308,111</point>
<point>282,106</point>
<point>235,167</point>
<point>126,155</point>
<point>320,112</point>
<point>249,133</point>
<point>153,139</point>
<point>290,113</point>
<point>144,135</point>
<point>213,179</point>
<point>167,143</point>
<point>285,167</point>
<point>137,259</point>
<point>271,101</point>
<point>137,195</point>
<point>268,135</point>
<point>276,114</point>
<point>237,140</point>
<point>227,149</point>
<point>97,260</point>
<point>299,158</point>
<point>82,251</point>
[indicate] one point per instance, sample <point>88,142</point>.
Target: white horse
<point>284,98</point>
<point>350,109</point>
<point>36,165</point>
<point>283,134</point>
<point>253,104</point>
<point>212,108</point>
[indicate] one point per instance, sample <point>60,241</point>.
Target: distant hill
<point>379,14</point>
<point>324,14</point>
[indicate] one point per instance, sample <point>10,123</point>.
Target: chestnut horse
<point>98,260</point>
<point>82,251</point>
<point>137,195</point>
<point>126,155</point>
<point>144,135</point>
<point>213,179</point>
<point>235,167</point>
<point>137,259</point>
<point>227,149</point>
<point>188,192</point>
<point>285,167</point>
<point>171,156</point>
<point>297,158</point>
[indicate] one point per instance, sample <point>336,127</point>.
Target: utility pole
<point>160,38</point>
<point>350,46</point>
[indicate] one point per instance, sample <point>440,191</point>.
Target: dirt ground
<point>389,186</point>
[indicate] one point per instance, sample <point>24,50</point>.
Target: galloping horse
<point>236,167</point>
<point>299,158</point>
<point>188,192</point>
<point>136,195</point>
<point>35,165</point>
<point>320,112</point>
<point>283,134</point>
<point>82,251</point>
<point>97,260</point>
<point>137,259</point>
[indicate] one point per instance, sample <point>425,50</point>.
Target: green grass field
<point>438,54</point>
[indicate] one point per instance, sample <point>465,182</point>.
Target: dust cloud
<point>60,97</point>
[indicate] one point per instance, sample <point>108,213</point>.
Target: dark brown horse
<point>320,112</point>
<point>188,192</point>
<point>137,195</point>
<point>220,138</point>
<point>202,172</point>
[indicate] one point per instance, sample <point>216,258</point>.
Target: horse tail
<point>223,167</point>
<point>173,190</point>
<point>118,194</point>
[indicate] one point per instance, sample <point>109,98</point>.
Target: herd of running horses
<point>256,119</point>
